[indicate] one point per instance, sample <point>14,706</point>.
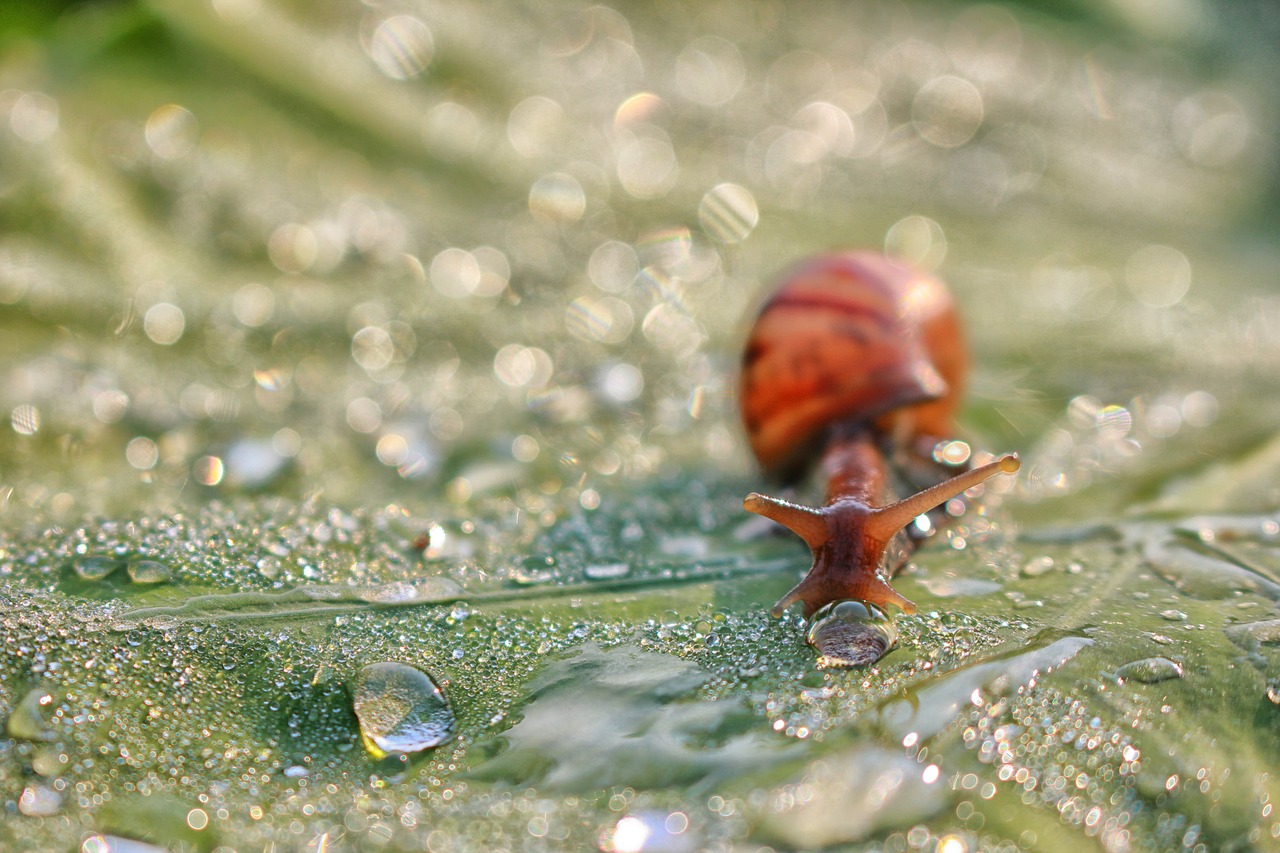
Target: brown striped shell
<point>850,337</point>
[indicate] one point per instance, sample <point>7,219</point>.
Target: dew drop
<point>39,801</point>
<point>30,717</point>
<point>415,591</point>
<point>94,568</point>
<point>607,571</point>
<point>149,571</point>
<point>1150,670</point>
<point>400,709</point>
<point>851,633</point>
<point>269,567</point>
<point>1037,566</point>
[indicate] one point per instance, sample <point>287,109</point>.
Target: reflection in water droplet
<point>400,709</point>
<point>851,633</point>
<point>149,571</point>
<point>1150,670</point>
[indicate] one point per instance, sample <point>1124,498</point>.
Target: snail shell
<point>850,337</point>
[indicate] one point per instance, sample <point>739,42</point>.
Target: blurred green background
<point>288,287</point>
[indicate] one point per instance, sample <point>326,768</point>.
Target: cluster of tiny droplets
<point>1097,440</point>
<point>508,297</point>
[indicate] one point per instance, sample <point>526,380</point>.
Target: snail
<point>864,356</point>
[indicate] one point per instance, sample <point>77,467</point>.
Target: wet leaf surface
<point>371,477</point>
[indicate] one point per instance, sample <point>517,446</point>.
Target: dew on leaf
<point>650,832</point>
<point>39,801</point>
<point>416,591</point>
<point>1038,566</point>
<point>851,633</point>
<point>401,710</point>
<point>606,571</point>
<point>848,797</point>
<point>94,568</point>
<point>31,716</point>
<point>149,572</point>
<point>1150,670</point>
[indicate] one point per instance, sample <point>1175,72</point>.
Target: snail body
<point>863,357</point>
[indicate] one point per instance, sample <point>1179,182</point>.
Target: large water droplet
<point>31,717</point>
<point>400,709</point>
<point>851,633</point>
<point>94,568</point>
<point>1150,670</point>
<point>416,591</point>
<point>149,571</point>
<point>39,801</point>
<point>606,571</point>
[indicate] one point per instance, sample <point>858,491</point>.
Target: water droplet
<point>49,761</point>
<point>149,571</point>
<point>253,463</point>
<point>1150,670</point>
<point>416,591</point>
<point>30,717</point>
<point>269,567</point>
<point>851,633</point>
<point>94,568</point>
<point>649,832</point>
<point>607,571</point>
<point>39,801</point>
<point>1038,566</point>
<point>400,709</point>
